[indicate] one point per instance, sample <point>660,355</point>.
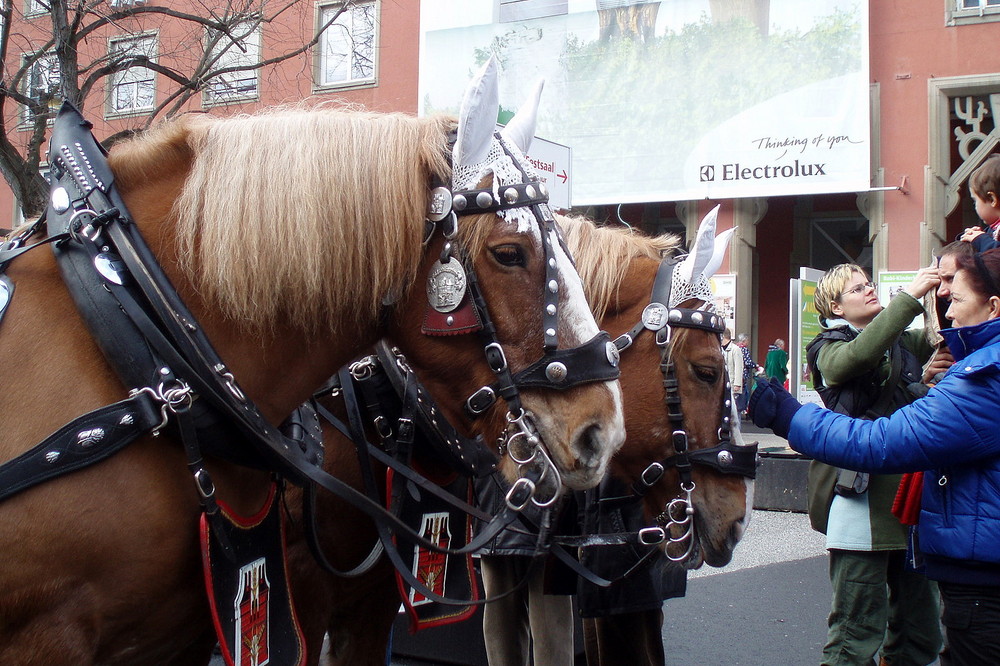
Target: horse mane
<point>601,252</point>
<point>308,217</point>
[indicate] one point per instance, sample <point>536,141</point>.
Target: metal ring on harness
<point>77,233</point>
<point>171,400</point>
<point>515,453</point>
<point>363,369</point>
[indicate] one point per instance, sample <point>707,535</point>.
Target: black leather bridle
<point>558,369</point>
<point>725,457</point>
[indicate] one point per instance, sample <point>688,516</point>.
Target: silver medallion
<point>446,285</point>
<point>439,205</point>
<point>654,317</point>
<point>111,266</point>
<point>556,372</point>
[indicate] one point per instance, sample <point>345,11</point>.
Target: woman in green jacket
<point>866,364</point>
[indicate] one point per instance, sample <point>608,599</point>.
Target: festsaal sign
<point>554,165</point>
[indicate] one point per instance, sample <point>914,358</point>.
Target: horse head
<point>498,277</point>
<point>699,413</point>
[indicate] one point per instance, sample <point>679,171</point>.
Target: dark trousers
<point>624,639</point>
<point>971,618</point>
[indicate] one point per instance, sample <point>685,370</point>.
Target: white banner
<point>669,101</point>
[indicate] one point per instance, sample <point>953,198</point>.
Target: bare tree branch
<point>204,51</point>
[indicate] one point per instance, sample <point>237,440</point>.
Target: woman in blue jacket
<point>953,435</point>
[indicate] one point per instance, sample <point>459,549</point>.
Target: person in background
<point>951,436</point>
<point>865,363</point>
<point>776,362</point>
<point>984,184</point>
<point>750,369</point>
<point>734,362</point>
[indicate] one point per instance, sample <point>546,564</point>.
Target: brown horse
<point>286,233</point>
<point>618,268</point>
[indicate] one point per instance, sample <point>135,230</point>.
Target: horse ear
<point>478,118</point>
<point>521,128</point>
<point>704,248</point>
<point>719,251</point>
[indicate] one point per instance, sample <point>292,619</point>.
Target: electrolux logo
<point>710,173</point>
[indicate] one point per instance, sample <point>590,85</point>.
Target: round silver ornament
<point>446,285</point>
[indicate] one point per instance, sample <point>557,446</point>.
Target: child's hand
<point>970,234</point>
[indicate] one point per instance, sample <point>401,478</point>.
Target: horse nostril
<point>591,442</point>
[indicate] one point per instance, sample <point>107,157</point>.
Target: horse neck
<point>278,370</point>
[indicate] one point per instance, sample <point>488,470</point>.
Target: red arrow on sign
<point>564,176</point>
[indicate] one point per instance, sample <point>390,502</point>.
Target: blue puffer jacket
<point>954,435</point>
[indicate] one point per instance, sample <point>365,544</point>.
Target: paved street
<point>768,606</point>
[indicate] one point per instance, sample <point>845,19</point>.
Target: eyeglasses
<point>860,289</point>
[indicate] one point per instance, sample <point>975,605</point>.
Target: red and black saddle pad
<point>248,594</point>
<point>451,576</point>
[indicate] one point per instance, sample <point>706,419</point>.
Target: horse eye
<point>509,255</point>
<point>706,374</point>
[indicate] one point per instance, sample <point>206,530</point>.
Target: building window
<point>348,46</point>
<point>36,7</point>
<point>240,50</point>
<point>964,12</point>
<point>41,83</point>
<point>133,90</point>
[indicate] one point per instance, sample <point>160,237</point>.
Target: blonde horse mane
<point>601,252</point>
<point>308,217</point>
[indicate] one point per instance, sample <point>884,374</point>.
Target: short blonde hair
<point>832,285</point>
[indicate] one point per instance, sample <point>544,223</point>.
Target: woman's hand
<point>771,406</point>
<point>926,279</point>
<point>939,365</point>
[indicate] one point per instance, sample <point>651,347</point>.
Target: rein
<point>381,391</point>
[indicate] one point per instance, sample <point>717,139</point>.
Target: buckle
<point>405,431</point>
<point>651,474</point>
<point>495,357</point>
<point>623,342</point>
<point>520,494</point>
<point>203,482</point>
<point>651,536</point>
<point>480,401</point>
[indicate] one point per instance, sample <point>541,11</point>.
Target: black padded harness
<point>155,345</point>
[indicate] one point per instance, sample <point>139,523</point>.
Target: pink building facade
<point>935,93</point>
